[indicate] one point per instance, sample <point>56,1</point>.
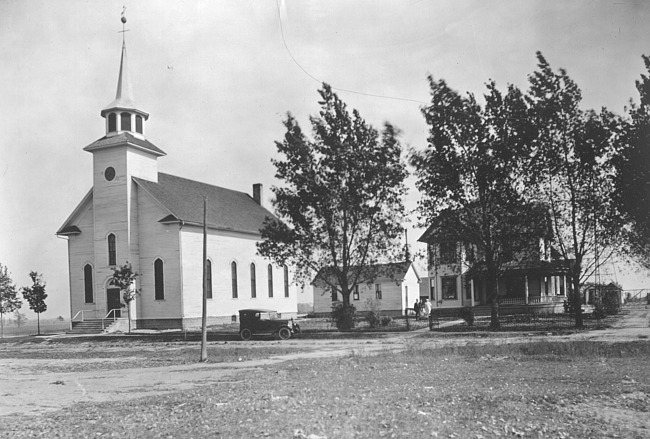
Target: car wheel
<point>245,334</point>
<point>284,333</point>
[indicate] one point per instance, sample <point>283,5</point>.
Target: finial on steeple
<point>123,20</point>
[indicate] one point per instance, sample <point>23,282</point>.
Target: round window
<point>109,173</point>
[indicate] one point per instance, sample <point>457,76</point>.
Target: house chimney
<point>257,193</point>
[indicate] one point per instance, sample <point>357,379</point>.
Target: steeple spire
<point>122,115</point>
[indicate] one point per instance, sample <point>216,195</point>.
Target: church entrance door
<point>113,301</point>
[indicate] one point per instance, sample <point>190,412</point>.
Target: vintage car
<point>265,322</point>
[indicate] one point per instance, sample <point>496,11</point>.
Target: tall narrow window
<point>355,293</point>
<point>208,275</point>
<point>233,275</point>
<point>112,258</point>
<point>253,281</point>
<point>125,119</point>
<point>88,283</point>
<point>378,291</point>
<point>286,281</point>
<point>270,275</point>
<point>334,295</point>
<point>138,124</point>
<point>112,123</point>
<point>158,280</point>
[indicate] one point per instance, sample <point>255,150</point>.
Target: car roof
<point>256,310</point>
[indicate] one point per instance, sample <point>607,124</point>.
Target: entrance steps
<point>88,326</point>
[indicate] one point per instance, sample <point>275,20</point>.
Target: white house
<point>394,287</point>
<point>154,221</point>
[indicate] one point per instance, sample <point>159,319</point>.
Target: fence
<point>513,322</point>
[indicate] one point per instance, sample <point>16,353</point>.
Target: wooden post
<point>204,321</point>
<point>471,287</point>
<point>526,287</point>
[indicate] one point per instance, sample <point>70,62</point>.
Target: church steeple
<point>122,115</point>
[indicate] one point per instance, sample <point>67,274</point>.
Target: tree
<point>469,174</point>
<point>633,177</point>
<point>340,209</point>
<point>35,296</point>
<point>124,278</point>
<point>9,300</point>
<point>572,169</point>
<point>19,318</point>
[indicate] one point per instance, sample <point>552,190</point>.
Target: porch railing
<point>532,300</point>
<point>111,315</point>
<point>84,315</point>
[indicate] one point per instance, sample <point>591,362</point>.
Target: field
<point>421,384</point>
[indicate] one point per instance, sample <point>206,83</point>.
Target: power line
<point>335,88</point>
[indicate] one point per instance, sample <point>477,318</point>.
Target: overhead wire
<point>295,61</point>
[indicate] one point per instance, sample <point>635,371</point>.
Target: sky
<point>218,78</point>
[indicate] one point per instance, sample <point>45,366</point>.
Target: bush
<point>467,313</point>
<point>373,318</point>
<point>343,316</point>
<point>386,320</point>
<point>611,303</point>
<point>571,305</point>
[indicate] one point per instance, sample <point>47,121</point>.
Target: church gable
<point>71,226</point>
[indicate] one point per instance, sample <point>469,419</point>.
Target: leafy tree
<point>124,278</point>
<point>35,296</point>
<point>633,178</point>
<point>340,207</point>
<point>9,300</point>
<point>572,170</point>
<point>19,318</point>
<point>468,175</point>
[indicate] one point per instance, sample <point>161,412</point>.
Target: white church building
<point>154,221</point>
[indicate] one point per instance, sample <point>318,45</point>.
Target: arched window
<point>138,124</point>
<point>208,276</point>
<point>158,280</point>
<point>286,281</point>
<point>233,275</point>
<point>270,275</point>
<point>112,257</point>
<point>253,281</point>
<point>88,283</point>
<point>112,122</point>
<point>125,119</point>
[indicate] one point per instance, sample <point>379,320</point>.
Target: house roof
<point>227,209</point>
<point>124,138</point>
<point>394,270</point>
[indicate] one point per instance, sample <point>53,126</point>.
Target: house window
<point>253,281</point>
<point>112,123</point>
<point>112,258</point>
<point>88,283</point>
<point>286,281</point>
<point>355,292</point>
<point>334,295</point>
<point>378,291</point>
<point>269,270</point>
<point>449,288</point>
<point>448,252</point>
<point>208,278</point>
<point>469,253</point>
<point>125,119</point>
<point>138,124</point>
<point>158,280</point>
<point>233,276</point>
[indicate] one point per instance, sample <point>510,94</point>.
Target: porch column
<point>566,292</point>
<point>526,287</point>
<point>471,287</point>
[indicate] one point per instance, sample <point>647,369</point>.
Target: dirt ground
<point>22,391</point>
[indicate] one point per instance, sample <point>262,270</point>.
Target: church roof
<point>124,94</point>
<point>122,138</point>
<point>227,209</point>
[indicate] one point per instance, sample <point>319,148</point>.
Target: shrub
<point>374,314</point>
<point>343,316</point>
<point>599,309</point>
<point>467,313</point>
<point>571,305</point>
<point>611,303</point>
<point>386,320</point>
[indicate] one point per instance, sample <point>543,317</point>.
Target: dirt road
<point>26,392</point>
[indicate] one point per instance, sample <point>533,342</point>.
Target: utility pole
<point>204,322</point>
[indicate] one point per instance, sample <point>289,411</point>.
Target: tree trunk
<point>38,322</point>
<point>577,300</point>
<point>493,295</point>
<point>2,325</point>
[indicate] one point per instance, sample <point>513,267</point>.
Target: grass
<point>540,389</point>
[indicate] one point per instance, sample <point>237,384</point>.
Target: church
<point>154,221</point>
